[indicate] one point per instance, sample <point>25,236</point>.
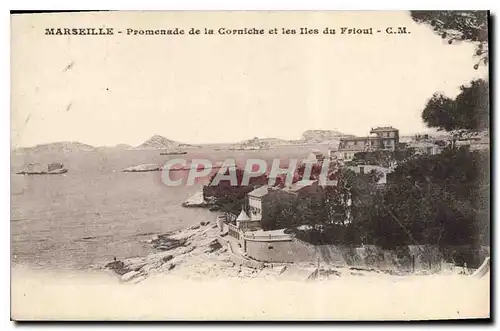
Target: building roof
<point>362,138</point>
<point>383,129</point>
<point>259,192</point>
<point>242,216</point>
<point>297,186</point>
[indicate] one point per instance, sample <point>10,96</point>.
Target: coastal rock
<point>118,267</point>
<point>139,267</point>
<point>167,258</point>
<point>129,275</point>
<point>165,243</point>
<point>196,200</point>
<point>138,279</point>
<point>189,250</point>
<point>213,246</point>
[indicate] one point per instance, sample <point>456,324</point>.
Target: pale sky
<point>209,89</point>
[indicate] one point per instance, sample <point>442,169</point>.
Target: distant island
<point>160,142</point>
<point>307,138</point>
<point>39,169</point>
<point>168,146</point>
<point>323,136</point>
<point>57,147</point>
<point>155,142</point>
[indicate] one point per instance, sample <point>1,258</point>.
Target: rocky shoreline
<point>198,251</point>
<point>201,252</point>
<point>197,200</point>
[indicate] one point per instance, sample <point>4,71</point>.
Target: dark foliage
<point>382,158</point>
<point>231,198</point>
<point>439,200</point>
<point>470,26</point>
<point>468,111</point>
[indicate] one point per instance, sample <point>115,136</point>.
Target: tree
<point>441,199</point>
<point>280,213</point>
<point>470,26</point>
<point>468,112</point>
<point>454,186</point>
<point>231,198</point>
<point>382,158</point>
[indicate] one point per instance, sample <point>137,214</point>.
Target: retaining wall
<point>405,258</point>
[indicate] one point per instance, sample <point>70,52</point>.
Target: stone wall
<point>405,258</point>
<point>292,251</point>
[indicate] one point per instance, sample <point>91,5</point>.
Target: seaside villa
<point>382,138</point>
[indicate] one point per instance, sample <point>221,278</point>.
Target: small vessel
<point>39,169</point>
<point>173,152</point>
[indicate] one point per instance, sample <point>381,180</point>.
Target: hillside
<point>322,136</point>
<point>58,147</point>
<point>160,142</point>
<point>118,147</point>
<point>261,142</point>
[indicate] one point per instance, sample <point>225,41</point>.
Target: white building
<point>426,147</point>
<point>382,138</point>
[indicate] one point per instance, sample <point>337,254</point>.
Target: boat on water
<point>39,169</point>
<point>173,152</point>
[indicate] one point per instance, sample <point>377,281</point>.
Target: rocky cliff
<point>160,142</point>
<point>322,136</point>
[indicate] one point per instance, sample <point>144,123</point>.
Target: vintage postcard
<point>250,165</point>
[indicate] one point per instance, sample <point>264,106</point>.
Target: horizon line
<point>204,143</point>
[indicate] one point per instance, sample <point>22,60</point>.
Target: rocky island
<point>39,169</point>
<point>160,142</point>
<point>143,168</point>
